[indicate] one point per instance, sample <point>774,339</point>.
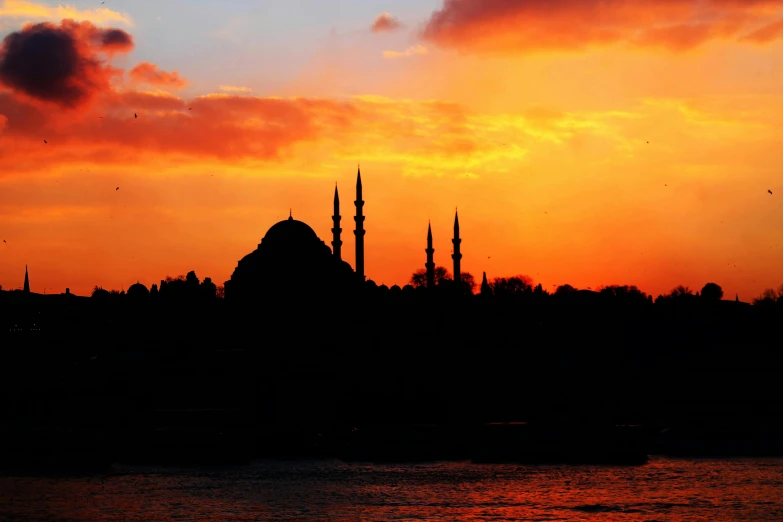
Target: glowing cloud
<point>232,88</point>
<point>411,51</point>
<point>149,73</point>
<point>30,11</point>
<point>385,23</point>
<point>517,26</point>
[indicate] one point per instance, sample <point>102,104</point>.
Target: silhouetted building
<point>26,281</point>
<point>336,230</point>
<point>359,232</point>
<point>430,265</point>
<point>457,256</point>
<point>290,261</point>
<point>137,290</point>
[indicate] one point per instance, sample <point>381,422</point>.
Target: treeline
<point>498,349</point>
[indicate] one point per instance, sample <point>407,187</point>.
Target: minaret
<point>26,281</point>
<point>456,256</point>
<point>359,232</point>
<point>485,288</point>
<point>336,230</point>
<point>430,266</point>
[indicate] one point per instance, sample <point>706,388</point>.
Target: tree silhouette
<point>208,288</point>
<point>680,291</point>
<point>769,297</point>
<point>419,277</point>
<point>512,285</point>
<point>191,279</point>
<point>539,290</point>
<point>712,291</point>
<point>468,282</point>
<point>220,292</point>
<point>624,293</point>
<point>177,287</point>
<point>564,290</point>
<point>100,295</point>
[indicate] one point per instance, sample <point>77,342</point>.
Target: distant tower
<point>430,266</point>
<point>336,230</point>
<point>26,281</point>
<point>359,232</point>
<point>485,288</point>
<point>456,256</point>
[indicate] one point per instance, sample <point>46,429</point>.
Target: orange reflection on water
<point>665,489</point>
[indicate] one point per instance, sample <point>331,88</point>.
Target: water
<point>663,490</point>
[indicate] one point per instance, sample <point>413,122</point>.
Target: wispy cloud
<point>533,25</point>
<point>234,88</point>
<point>35,12</point>
<point>150,73</point>
<point>416,49</point>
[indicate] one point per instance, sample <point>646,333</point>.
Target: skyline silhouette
<point>429,265</point>
<point>641,158</point>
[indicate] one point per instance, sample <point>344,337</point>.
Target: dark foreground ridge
<point>386,376</point>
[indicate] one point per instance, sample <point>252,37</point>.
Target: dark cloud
<point>385,23</point>
<point>60,64</point>
<point>116,40</point>
<point>512,26</point>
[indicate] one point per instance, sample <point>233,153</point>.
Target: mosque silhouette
<point>291,259</point>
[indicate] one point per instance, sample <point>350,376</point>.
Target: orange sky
<point>634,146</point>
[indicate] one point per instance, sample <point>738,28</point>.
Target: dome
<point>290,230</point>
<point>291,261</point>
<point>137,289</point>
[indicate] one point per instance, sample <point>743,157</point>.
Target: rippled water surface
<point>662,490</point>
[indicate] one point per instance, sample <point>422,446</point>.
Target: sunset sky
<point>582,145</point>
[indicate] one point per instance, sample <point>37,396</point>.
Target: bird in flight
<point>135,115</point>
<point>118,188</point>
<point>769,191</point>
<point>3,240</point>
<point>190,108</point>
<point>46,141</point>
